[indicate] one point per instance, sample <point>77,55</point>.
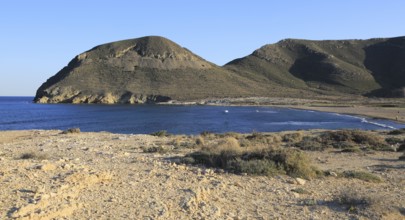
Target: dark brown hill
<point>374,67</point>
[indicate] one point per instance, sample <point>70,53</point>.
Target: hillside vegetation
<point>155,69</point>
<point>362,67</point>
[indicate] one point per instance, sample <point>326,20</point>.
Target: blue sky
<point>40,37</point>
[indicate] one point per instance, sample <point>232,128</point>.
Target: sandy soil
<point>107,176</point>
<point>391,113</point>
<point>392,109</point>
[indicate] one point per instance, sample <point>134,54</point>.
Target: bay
<point>19,113</point>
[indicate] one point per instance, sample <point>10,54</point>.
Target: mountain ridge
<point>156,69</point>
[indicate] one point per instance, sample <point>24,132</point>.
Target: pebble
<point>300,181</point>
<point>48,167</point>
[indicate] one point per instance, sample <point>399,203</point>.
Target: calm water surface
<point>18,113</point>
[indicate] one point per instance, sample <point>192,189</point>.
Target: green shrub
<point>267,139</point>
<point>401,147</point>
<point>361,175</point>
<point>293,137</point>
<point>162,133</point>
<point>33,156</point>
<point>259,161</point>
<point>364,138</point>
<point>311,144</point>
<point>309,202</point>
<point>393,140</point>
<point>353,200</point>
<point>343,145</point>
<point>397,132</point>
<point>71,131</point>
<point>256,167</point>
<point>156,149</point>
<point>187,160</point>
<point>199,141</point>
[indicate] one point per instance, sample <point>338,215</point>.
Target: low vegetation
<point>162,133</point>
<point>274,153</point>
<point>156,149</point>
<point>254,159</point>
<point>402,157</point>
<point>71,131</point>
<point>353,200</point>
<point>401,147</point>
<point>33,156</point>
<point>361,175</point>
<point>397,131</point>
<point>345,140</point>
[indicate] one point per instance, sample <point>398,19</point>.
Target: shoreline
<point>363,111</point>
<point>389,109</point>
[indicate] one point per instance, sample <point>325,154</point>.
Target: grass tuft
<point>162,133</point>
<point>33,156</point>
<point>361,175</point>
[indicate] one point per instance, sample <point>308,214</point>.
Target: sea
<point>20,113</point>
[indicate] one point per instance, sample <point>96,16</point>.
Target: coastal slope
<point>155,69</point>
<point>369,68</point>
<point>147,69</point>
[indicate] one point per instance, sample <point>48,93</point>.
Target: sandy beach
<point>391,113</point>
<point>50,175</point>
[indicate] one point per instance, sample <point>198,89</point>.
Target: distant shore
<point>391,109</point>
<point>394,114</point>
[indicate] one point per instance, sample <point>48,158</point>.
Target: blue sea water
<point>18,113</point>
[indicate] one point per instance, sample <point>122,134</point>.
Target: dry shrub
<point>361,175</point>
<point>200,141</point>
<point>347,140</point>
<point>263,139</point>
<point>33,156</point>
<point>370,205</point>
<point>229,155</point>
<point>156,149</point>
<point>393,140</point>
<point>401,147</point>
<point>229,144</point>
<point>182,142</point>
<point>232,134</point>
<point>177,141</point>
<point>297,164</point>
<point>293,137</point>
<point>311,144</point>
<point>402,157</point>
<point>72,131</point>
<point>353,200</point>
<point>162,133</point>
<point>365,138</point>
<point>397,132</point>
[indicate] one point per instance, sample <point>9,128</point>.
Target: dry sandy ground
<point>392,109</point>
<point>107,176</point>
<point>391,113</point>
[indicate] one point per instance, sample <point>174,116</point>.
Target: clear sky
<point>40,37</point>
